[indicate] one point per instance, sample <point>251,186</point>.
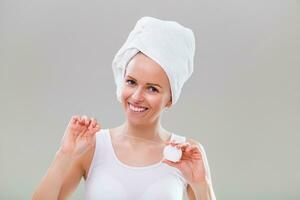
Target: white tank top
<point>110,179</point>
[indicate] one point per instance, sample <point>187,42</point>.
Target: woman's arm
<point>66,170</point>
<point>65,173</point>
<point>201,190</point>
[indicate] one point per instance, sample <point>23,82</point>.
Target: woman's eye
<point>130,82</point>
<point>153,89</point>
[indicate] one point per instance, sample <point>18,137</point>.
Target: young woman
<point>127,162</point>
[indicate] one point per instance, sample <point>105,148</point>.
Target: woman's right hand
<point>79,135</point>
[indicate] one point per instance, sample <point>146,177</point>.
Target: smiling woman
<point>127,162</point>
<point>146,90</point>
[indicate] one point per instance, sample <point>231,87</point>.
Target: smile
<point>137,109</point>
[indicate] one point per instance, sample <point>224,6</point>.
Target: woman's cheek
<point>125,92</point>
<point>155,100</point>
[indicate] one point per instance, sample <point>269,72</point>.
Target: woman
<point>127,162</point>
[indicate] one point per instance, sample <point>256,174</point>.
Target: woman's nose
<point>137,95</point>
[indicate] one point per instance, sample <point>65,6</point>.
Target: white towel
<point>168,43</point>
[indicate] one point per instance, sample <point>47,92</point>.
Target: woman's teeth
<point>136,109</point>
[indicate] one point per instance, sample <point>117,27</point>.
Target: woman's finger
<point>173,164</point>
<point>172,142</point>
<point>86,120</point>
<point>81,120</point>
<point>73,122</point>
<point>183,146</point>
<point>97,127</point>
<point>191,148</point>
<point>92,123</point>
<point>74,119</point>
<point>94,127</point>
<point>91,126</point>
<point>81,125</point>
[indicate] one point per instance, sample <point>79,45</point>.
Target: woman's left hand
<point>191,163</point>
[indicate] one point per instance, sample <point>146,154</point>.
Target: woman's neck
<point>151,132</point>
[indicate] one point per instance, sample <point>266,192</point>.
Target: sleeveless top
<point>110,179</point>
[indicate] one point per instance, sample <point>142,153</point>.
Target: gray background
<point>242,102</point>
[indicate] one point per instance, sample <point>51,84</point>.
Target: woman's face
<point>145,90</point>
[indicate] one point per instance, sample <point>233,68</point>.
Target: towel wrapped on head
<point>168,43</point>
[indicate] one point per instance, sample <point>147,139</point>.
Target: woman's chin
<point>134,117</point>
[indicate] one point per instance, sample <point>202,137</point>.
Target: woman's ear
<point>168,105</point>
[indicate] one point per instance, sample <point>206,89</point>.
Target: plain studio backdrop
<point>241,103</point>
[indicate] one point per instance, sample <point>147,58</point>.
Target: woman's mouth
<point>137,108</point>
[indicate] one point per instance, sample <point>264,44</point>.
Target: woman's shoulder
<point>193,141</point>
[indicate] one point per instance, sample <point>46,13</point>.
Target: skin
<point>137,90</point>
<point>145,85</point>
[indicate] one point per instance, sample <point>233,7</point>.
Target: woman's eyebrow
<point>146,83</point>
